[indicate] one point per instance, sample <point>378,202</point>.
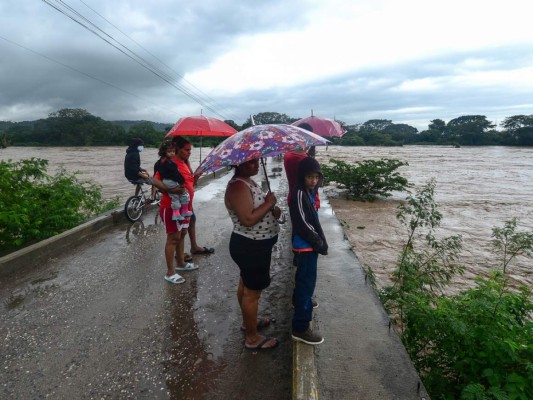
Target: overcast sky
<point>409,61</point>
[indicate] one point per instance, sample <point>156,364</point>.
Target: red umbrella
<point>200,126</point>
<point>324,127</point>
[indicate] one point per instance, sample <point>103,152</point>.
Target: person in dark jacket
<point>308,241</point>
<point>132,164</point>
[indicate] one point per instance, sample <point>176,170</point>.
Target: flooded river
<point>104,165</point>
<point>477,188</point>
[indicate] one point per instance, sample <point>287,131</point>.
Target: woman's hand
<point>161,186</point>
<point>177,190</point>
<point>276,212</point>
<point>196,177</point>
<point>270,199</point>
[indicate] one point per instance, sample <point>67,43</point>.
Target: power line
<point>84,73</point>
<point>77,17</point>
<point>211,100</point>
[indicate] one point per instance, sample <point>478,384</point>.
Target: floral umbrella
<point>256,142</point>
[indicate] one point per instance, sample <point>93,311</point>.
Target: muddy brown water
<point>104,165</point>
<point>477,188</point>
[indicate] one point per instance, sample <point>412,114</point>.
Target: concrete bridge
<point>87,314</point>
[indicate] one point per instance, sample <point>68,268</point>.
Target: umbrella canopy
<point>256,142</point>
<point>324,127</point>
<point>200,126</point>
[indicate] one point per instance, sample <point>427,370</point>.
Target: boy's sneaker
<point>308,337</point>
<point>315,303</point>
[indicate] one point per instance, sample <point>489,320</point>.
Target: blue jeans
<point>304,288</point>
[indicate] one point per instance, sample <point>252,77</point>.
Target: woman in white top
<point>255,231</point>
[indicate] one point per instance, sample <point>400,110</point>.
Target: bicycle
<point>135,205</point>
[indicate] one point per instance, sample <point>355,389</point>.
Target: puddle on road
<point>37,287</point>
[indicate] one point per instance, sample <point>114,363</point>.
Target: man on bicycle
<point>132,165</point>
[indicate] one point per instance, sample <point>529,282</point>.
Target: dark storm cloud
<point>54,62</point>
<point>76,69</point>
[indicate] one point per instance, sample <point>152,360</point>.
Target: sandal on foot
<point>186,258</point>
<point>206,250</point>
<point>261,323</point>
<point>176,278</point>
<point>261,344</point>
<point>187,267</point>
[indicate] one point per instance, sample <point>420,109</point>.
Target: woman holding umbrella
<point>255,231</point>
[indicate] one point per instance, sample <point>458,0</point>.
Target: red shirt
<point>187,174</point>
<point>290,162</point>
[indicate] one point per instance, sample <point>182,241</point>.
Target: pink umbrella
<point>324,127</point>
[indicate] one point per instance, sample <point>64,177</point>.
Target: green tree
<point>375,125</point>
<point>367,180</point>
<point>379,139</point>
<point>519,130</point>
<point>469,129</point>
<point>438,125</point>
<point>35,206</point>
<point>269,118</point>
<point>232,123</point>
<point>510,243</point>
<point>435,133</point>
<point>402,133</point>
<point>20,134</point>
<point>516,122</point>
<point>350,139</point>
<point>147,132</point>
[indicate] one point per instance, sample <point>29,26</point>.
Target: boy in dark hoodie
<point>308,241</point>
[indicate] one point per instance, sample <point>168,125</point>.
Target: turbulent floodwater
<point>104,165</point>
<point>477,188</point>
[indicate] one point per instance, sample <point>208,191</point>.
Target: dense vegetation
<point>35,205</point>
<point>77,127</point>
<point>366,180</point>
<point>477,344</point>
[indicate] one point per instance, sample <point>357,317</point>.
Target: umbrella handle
<point>266,176</point>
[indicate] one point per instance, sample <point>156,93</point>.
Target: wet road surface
<point>100,321</point>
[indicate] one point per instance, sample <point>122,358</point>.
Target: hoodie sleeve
<point>305,222</point>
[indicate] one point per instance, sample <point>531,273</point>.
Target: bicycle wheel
<point>134,208</point>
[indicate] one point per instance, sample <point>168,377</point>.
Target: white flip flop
<point>176,278</point>
<point>188,267</point>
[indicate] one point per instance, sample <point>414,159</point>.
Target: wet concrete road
<point>100,321</point>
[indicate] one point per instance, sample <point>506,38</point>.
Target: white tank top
<point>266,228</point>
